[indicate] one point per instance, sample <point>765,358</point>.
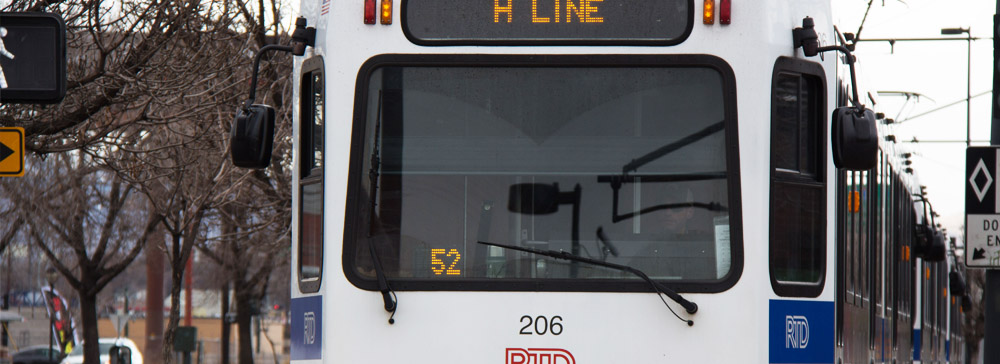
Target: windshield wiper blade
<point>388,302</point>
<point>689,306</point>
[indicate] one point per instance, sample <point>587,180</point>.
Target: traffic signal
<point>32,58</point>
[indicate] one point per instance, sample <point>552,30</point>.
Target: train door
<point>876,311</point>
<point>905,270</point>
<point>853,253</point>
<point>854,321</point>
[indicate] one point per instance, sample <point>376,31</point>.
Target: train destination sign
<point>514,22</point>
<point>982,207</point>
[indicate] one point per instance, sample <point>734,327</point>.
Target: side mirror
<point>120,355</point>
<point>956,284</point>
<point>923,237</point>
<point>252,137</point>
<point>937,251</point>
<point>855,139</point>
<point>533,198</point>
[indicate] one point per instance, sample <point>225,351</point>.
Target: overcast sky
<point>936,69</point>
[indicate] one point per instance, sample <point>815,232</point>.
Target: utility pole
<point>991,306</point>
<point>154,299</point>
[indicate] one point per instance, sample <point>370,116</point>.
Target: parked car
<point>37,354</point>
<point>76,356</point>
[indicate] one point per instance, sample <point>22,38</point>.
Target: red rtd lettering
<point>539,356</point>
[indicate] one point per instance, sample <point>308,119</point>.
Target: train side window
<point>798,186</point>
<point>311,136</point>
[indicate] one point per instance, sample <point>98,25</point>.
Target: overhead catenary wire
<point>944,106</point>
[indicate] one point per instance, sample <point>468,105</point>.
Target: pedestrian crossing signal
<point>32,58</point>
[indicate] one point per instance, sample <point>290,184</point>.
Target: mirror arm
<point>302,37</point>
<point>807,38</point>
<point>256,68</point>
<point>850,64</point>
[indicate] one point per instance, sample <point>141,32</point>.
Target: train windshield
<point>541,157</point>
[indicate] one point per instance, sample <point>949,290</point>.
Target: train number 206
<point>541,325</point>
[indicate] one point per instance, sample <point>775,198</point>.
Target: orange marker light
<point>709,13</point>
<point>386,17</point>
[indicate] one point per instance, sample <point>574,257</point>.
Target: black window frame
<point>786,65</point>
<point>309,176</point>
<point>353,225</point>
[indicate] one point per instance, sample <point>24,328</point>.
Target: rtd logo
<point>539,356</point>
<point>309,323</point>
<point>796,332</point>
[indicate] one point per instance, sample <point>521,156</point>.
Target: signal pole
<point>991,306</point>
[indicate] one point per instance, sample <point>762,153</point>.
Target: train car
<point>894,302</point>
<point>596,181</point>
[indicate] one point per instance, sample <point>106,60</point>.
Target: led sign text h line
<point>564,10</point>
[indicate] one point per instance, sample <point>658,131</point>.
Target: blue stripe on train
<point>307,328</point>
<point>800,331</point>
<point>947,350</point>
<point>916,344</point>
<point>883,340</point>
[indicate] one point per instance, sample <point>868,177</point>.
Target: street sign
<point>32,58</point>
<point>119,320</point>
<point>11,152</point>
<point>185,338</point>
<point>982,207</point>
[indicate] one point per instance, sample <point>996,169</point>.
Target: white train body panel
<point>342,323</point>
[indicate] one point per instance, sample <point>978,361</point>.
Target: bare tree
<point>89,224</point>
<point>152,88</point>
<point>974,320</point>
<point>252,246</point>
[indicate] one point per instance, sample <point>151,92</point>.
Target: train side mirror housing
<point>855,139</point>
<point>252,136</point>
<point>937,250</point>
<point>956,284</point>
<point>922,240</point>
<point>119,355</point>
<point>533,198</point>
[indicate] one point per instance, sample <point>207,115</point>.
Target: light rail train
<point>599,181</point>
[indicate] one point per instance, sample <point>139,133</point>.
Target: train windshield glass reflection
<point>444,145</point>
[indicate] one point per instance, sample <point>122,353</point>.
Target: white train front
<point>476,149</point>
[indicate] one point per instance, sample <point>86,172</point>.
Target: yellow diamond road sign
<point>11,152</point>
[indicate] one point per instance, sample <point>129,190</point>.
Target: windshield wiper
<point>389,302</point>
<point>689,306</point>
